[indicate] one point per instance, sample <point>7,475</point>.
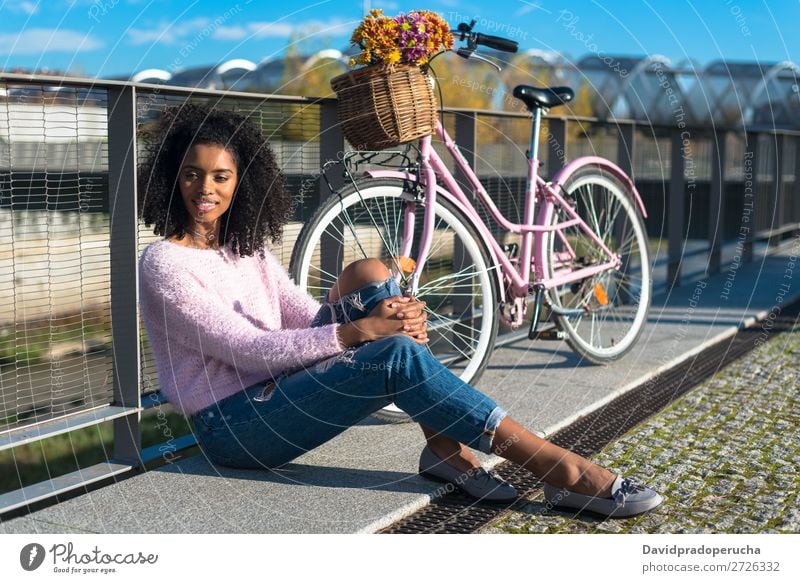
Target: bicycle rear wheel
<point>611,307</point>
<point>457,282</point>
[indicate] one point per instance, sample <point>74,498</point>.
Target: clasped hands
<point>394,315</point>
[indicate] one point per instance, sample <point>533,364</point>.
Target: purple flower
<point>413,36</point>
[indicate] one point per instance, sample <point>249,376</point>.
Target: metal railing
<point>69,150</point>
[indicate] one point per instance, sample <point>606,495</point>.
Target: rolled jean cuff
<point>492,421</point>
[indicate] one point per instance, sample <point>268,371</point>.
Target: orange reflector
<point>600,294</point>
<point>406,264</point>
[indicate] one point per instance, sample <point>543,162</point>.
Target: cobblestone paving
<point>725,456</point>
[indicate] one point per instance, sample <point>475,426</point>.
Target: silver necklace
<point>209,239</point>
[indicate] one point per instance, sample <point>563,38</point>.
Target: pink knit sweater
<point>218,323</point>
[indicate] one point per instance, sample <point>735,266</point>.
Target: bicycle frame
<point>532,250</point>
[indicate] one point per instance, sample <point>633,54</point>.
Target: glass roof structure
<point>650,89</point>
<point>750,94</point>
<point>647,88</point>
<point>235,74</point>
<point>724,94</point>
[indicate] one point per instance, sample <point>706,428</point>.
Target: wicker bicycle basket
<point>380,108</point>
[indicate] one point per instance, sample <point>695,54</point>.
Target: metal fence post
<point>750,192</point>
<point>777,219</point>
<point>625,153</point>
<point>556,144</point>
<point>467,140</point>
<point>795,195</point>
<point>331,147</point>
<point>716,202</point>
<point>675,221</point>
<point>123,243</point>
<point>626,148</point>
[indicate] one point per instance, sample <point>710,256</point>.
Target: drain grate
<point>456,513</point>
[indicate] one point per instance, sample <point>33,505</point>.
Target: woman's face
<point>207,181</point>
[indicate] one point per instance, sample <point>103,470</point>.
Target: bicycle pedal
<point>551,334</point>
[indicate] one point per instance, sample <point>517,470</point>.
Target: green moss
<point>732,422</point>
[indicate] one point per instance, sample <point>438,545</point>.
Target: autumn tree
<point>307,75</point>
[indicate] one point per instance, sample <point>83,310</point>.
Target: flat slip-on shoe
<point>478,483</point>
<point>627,499</point>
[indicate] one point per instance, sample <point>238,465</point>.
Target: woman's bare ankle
<point>454,453</point>
<point>596,481</point>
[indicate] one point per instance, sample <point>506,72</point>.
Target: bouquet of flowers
<point>389,100</point>
<point>410,39</point>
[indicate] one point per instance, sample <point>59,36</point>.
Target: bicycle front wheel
<point>456,283</point>
<point>608,309</point>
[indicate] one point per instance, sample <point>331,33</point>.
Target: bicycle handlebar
<point>496,42</point>
<point>476,38</point>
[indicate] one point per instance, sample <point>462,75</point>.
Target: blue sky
<point>115,37</point>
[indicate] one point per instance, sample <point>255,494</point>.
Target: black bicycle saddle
<point>534,97</point>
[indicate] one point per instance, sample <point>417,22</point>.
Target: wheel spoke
<point>445,281</point>
<point>451,323</point>
<point>595,222</point>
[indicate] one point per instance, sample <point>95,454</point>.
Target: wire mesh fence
<point>54,262</point>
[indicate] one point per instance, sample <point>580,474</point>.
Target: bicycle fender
<point>440,191</point>
<point>578,163</point>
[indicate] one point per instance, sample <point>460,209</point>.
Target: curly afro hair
<point>260,207</point>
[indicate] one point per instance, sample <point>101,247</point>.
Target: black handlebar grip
<point>496,42</point>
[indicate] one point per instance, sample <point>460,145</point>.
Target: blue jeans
<point>273,422</point>
<point>356,304</point>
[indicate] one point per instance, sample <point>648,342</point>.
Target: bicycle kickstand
<point>537,307</point>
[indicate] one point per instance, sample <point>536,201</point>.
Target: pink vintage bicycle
<point>583,248</point>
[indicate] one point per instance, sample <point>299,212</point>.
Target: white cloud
<point>171,33</point>
<point>29,7</point>
<point>24,6</point>
<point>527,7</point>
<point>167,32</point>
<point>282,29</point>
<point>141,37</point>
<point>230,33</point>
<point>269,29</point>
<point>35,41</point>
<point>254,30</point>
